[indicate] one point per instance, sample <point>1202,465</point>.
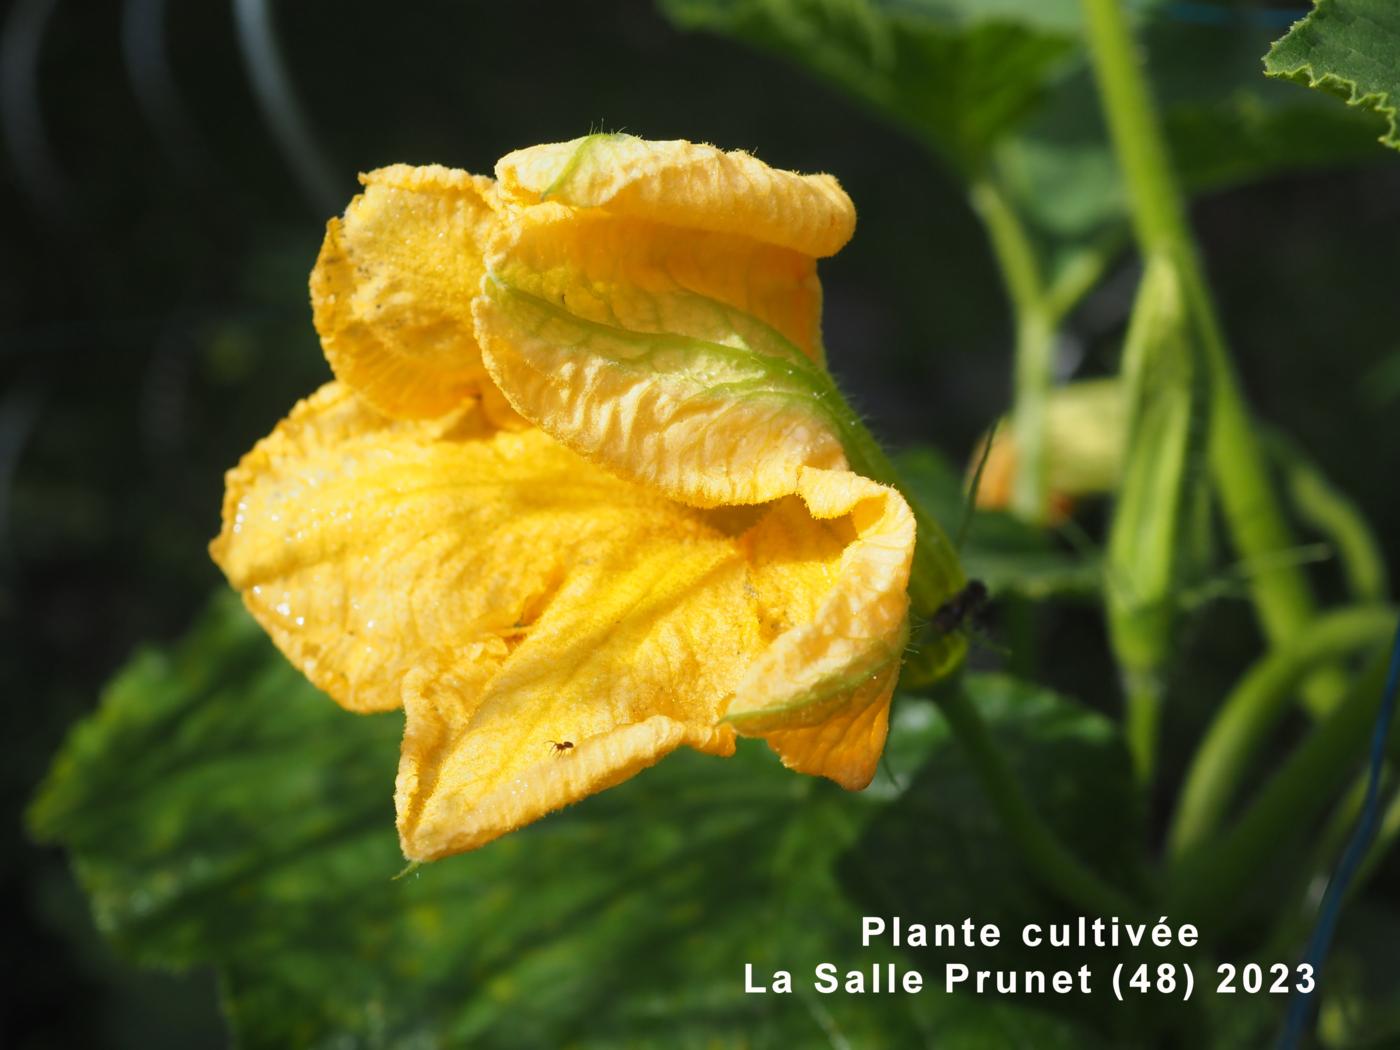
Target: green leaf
<point>1004,552</point>
<point>954,76</point>
<point>1350,48</point>
<point>219,810</point>
<point>1072,761</point>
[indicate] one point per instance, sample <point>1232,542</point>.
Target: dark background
<point>154,323</point>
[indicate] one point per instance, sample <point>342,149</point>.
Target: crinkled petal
<point>820,693</point>
<point>512,596</point>
<point>452,798</point>
<point>632,345</point>
<point>343,529</point>
<point>684,184</point>
<point>393,285</point>
<point>649,277</point>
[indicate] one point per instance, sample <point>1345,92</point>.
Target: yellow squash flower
<point>581,480</point>
<point>1085,425</point>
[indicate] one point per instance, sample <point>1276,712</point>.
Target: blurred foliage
<point>1364,1004</point>
<point>1007,554</point>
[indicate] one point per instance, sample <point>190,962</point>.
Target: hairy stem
<point>1035,344</point>
<point>1252,509</point>
<point>1142,717</point>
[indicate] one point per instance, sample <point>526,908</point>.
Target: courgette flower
<point>1085,424</point>
<point>580,491</point>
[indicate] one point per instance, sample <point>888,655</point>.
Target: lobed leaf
<point>954,74</point>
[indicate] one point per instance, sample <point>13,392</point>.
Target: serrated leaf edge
<point>1303,73</point>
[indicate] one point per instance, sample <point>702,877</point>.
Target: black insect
<point>965,607</point>
<point>560,747</point>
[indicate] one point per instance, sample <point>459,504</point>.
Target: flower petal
<point>392,289</point>
<point>513,595</point>
<point>368,548</point>
<point>637,348</point>
<point>634,655</point>
<point>650,277</point>
<point>683,184</point>
<point>820,693</point>
<point>460,784</point>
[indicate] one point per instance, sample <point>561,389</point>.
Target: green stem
<point>1010,243</point>
<point>1158,490</point>
<point>1251,710</point>
<point>1035,352</point>
<point>1142,717</point>
<point>1035,344</point>
<point>1209,884</point>
<point>1038,306</point>
<point>1328,510</point>
<point>1044,853</point>
<point>1252,509</point>
<point>1158,214</point>
<point>1078,274</point>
